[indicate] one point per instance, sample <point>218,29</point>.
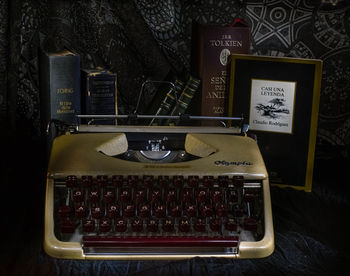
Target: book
<point>59,78</point>
<point>211,48</point>
<point>169,101</point>
<point>99,94</point>
<point>184,99</point>
<point>279,99</point>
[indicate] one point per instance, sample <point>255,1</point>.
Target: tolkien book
<point>99,94</point>
<point>211,48</point>
<point>59,77</point>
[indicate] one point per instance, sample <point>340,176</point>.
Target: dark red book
<point>210,58</point>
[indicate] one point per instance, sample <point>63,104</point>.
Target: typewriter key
<point>71,181</point>
<point>81,212</point>
<point>120,225</point>
<point>105,225</point>
<point>64,211</point>
<point>113,211</point>
<point>88,225</point>
<point>97,212</point>
<point>184,225</point>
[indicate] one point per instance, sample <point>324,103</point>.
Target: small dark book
<point>99,94</point>
<point>59,77</point>
<point>211,48</point>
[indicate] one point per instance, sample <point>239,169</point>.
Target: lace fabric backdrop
<point>144,39</point>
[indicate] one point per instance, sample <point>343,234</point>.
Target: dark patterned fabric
<point>151,40</point>
<point>145,39</point>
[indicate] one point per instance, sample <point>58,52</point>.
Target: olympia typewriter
<point>157,192</point>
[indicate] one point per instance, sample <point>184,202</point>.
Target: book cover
<point>99,94</point>
<point>279,98</point>
<point>59,77</point>
<point>211,49</point>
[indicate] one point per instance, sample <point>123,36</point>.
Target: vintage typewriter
<point>155,192</point>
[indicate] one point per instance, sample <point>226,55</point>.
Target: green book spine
<point>169,102</point>
<point>184,99</point>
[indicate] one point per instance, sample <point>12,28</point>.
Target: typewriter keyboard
<point>158,211</point>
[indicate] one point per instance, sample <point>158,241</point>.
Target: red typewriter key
<point>117,180</point>
<point>237,210</point>
<point>133,180</point>
<point>193,181</point>
<point>64,211</point>
<point>215,224</point>
<point>140,195</point>
<point>184,225</point>
<point>200,225</point>
<point>129,210</point>
<point>238,181</point>
<point>120,225</point>
<point>191,210</point>
<point>160,211</point>
<point>148,180</point>
<point>206,210</point>
<point>217,196</point>
<point>94,196</point>
<point>223,181</point>
<point>187,195</point>
<point>175,211</point>
<point>125,195</point>
<point>88,225</point>
<point>102,180</point>
<point>71,181</point>
<point>178,181</point>
<point>231,195</point>
<point>108,196</point>
<point>105,225</point>
<point>221,210</point>
<point>136,225</point>
<point>86,181</point>
<point>152,225</point>
<point>250,196</point>
<point>231,224</point>
<point>171,195</point>
<point>113,211</point>
<point>78,196</point>
<point>97,212</point>
<point>208,181</point>
<point>202,195</point>
<point>144,211</point>
<point>67,226</point>
<point>250,224</point>
<point>156,195</point>
<point>168,225</point>
<point>163,180</point>
<point>81,212</point>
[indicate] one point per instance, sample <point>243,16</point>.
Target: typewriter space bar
<point>171,241</point>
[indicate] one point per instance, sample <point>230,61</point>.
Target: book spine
<point>214,45</point>
<point>100,95</point>
<point>184,99</point>
<point>169,102</point>
<point>60,91</point>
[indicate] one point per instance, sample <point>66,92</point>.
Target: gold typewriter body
<point>218,152</point>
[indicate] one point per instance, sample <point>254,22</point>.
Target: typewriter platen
<point>157,193</point>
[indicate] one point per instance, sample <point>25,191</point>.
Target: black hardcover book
<point>59,77</point>
<point>99,94</point>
